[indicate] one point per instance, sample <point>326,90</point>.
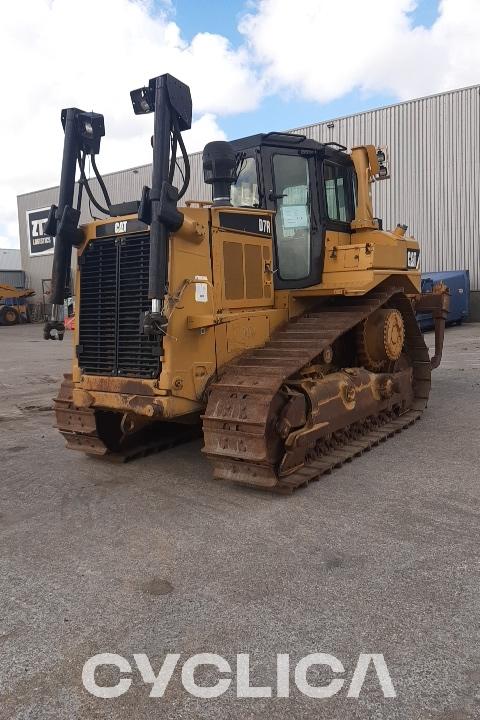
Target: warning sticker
<point>201,289</point>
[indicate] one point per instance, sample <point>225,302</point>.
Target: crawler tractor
<point>281,315</point>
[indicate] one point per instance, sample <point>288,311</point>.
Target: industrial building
<point>11,272</point>
<point>434,159</point>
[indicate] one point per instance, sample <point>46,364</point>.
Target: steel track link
<point>239,422</point>
<point>346,452</point>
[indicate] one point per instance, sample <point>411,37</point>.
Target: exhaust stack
<point>219,164</point>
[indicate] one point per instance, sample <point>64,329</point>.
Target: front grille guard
<point>113,302</point>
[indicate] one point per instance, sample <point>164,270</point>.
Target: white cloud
<point>202,131</point>
<point>90,54</point>
<point>320,50</point>
<point>7,241</point>
<point>59,53</point>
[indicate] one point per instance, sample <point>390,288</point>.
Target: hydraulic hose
<point>101,182</point>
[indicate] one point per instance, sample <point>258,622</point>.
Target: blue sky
<point>221,17</point>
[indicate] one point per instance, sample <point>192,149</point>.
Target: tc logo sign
<point>39,243</point>
<point>37,227</point>
<point>240,679</point>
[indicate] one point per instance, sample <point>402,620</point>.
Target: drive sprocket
<point>380,339</point>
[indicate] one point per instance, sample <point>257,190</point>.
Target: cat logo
<point>413,258</point>
<point>121,226</point>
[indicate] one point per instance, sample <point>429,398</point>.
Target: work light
<point>90,128</point>
<point>382,160</point>
<point>143,100</point>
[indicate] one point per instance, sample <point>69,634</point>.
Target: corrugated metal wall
<point>15,278</point>
<point>434,154</point>
<point>37,268</point>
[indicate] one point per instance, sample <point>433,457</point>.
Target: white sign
<point>294,216</point>
<point>38,242</point>
<point>201,289</point>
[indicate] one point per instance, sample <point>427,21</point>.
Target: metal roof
<point>330,150</point>
<point>284,139</point>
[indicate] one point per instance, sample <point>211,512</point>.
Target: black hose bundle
<point>84,183</point>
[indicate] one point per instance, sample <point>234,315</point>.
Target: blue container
<point>458,282</point>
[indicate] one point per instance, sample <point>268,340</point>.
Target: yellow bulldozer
<point>13,304</point>
<point>278,319</point>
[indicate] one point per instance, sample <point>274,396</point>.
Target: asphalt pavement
<point>156,558</point>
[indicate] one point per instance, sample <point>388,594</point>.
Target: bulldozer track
<point>346,452</point>
<point>241,410</point>
<point>239,424</point>
<point>79,428</point>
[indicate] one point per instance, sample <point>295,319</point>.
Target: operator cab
<point>311,188</point>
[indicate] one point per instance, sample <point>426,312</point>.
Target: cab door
<point>291,190</point>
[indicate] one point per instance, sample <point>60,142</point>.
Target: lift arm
<point>171,102</point>
<point>83,131</point>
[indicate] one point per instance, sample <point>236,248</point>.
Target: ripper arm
<point>436,303</point>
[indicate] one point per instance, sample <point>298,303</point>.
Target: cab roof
<point>287,140</point>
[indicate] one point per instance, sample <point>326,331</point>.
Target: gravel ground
<point>155,557</point>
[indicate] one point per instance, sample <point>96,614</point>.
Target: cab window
<point>292,219</point>
<point>338,184</point>
<point>244,191</point>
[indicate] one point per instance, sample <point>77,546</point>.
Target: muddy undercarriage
<point>327,386</point>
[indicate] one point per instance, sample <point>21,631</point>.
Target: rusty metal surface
<point>77,425</point>
<point>279,412</point>
<point>80,428</point>
<point>373,432</point>
<point>438,304</point>
<point>381,338</point>
<point>124,385</point>
<point>253,438</point>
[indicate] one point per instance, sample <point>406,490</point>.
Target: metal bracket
<point>437,303</point>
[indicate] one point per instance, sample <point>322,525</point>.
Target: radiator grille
<point>113,301</point>
<point>98,301</point>
<point>135,350</point>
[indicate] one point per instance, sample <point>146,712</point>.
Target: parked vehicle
<point>458,283</point>
<point>13,305</point>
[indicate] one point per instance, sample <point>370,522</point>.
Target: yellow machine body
<point>289,381</point>
<point>281,314</point>
<point>236,307</point>
<point>11,314</point>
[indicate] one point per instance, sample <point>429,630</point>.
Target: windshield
<point>244,192</point>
